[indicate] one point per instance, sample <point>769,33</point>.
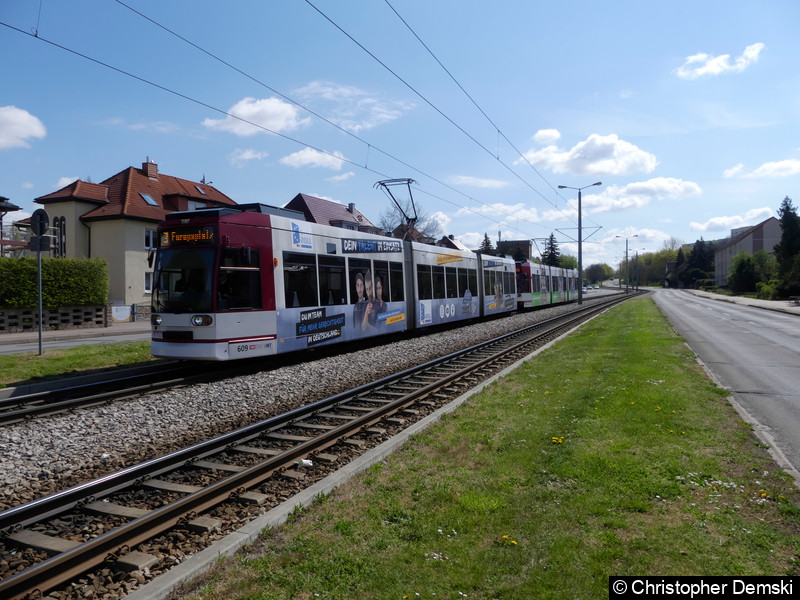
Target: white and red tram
<point>255,280</point>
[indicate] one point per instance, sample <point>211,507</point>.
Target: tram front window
<point>183,280</point>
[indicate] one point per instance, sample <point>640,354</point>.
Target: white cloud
<point>639,194</point>
<point>442,219</point>
<point>751,217</point>
<point>508,213</point>
<point>547,136</point>
<point>352,108</point>
<point>597,155</point>
<point>472,239</point>
<point>477,182</point>
<point>17,126</point>
<point>308,157</point>
<point>342,177</point>
<point>702,64</point>
<point>64,182</point>
<point>250,116</point>
<point>770,170</point>
<point>240,157</point>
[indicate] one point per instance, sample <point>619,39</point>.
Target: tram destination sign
<point>188,236</point>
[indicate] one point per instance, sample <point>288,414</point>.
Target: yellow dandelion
<point>513,542</point>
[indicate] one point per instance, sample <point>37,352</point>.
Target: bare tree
<point>393,217</point>
<point>672,243</point>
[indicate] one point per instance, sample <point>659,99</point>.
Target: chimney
<point>351,208</point>
<point>150,169</point>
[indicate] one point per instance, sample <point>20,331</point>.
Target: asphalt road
<point>752,352</point>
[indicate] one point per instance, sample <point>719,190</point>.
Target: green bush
<point>767,290</point>
<point>65,282</point>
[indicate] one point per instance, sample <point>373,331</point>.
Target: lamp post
<point>580,236</point>
<point>627,279</point>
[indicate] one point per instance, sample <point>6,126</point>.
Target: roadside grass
<point>611,453</point>
<point>80,360</point>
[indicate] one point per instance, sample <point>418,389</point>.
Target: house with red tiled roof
<point>326,212</point>
<point>117,219</point>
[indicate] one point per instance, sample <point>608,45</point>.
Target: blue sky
<point>688,112</point>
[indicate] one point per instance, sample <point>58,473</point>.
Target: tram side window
<point>509,286</point>
<point>300,279</point>
<point>239,280</point>
<point>380,270</point>
<point>332,285</point>
<point>488,282</point>
<point>396,287</point>
<point>467,280</point>
<point>438,283</point>
<point>523,282</point>
<point>451,281</point>
<point>424,282</point>
<point>358,269</point>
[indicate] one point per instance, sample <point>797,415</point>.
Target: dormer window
<point>149,199</point>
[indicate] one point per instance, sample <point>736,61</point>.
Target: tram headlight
<point>156,320</point>
<point>200,320</point>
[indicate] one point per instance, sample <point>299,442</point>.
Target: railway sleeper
<point>255,450</point>
<point>218,466</point>
<point>316,426</point>
<point>335,416</point>
<point>103,507</point>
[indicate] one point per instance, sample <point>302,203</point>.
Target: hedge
<point>65,282</point>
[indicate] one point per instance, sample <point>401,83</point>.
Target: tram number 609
<point>242,348</point>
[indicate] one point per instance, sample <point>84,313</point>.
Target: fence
<point>71,317</point>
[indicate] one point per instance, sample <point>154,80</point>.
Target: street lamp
<point>580,236</point>
<point>628,237</point>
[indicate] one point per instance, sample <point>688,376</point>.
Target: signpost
<point>39,224</point>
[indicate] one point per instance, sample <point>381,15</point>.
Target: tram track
<point>240,468</point>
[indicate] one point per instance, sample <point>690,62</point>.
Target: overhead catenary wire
<point>342,129</point>
<point>471,199</point>
<point>440,112</point>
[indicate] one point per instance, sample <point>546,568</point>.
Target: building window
<point>149,199</point>
<point>148,283</point>
<point>59,245</point>
<point>150,239</point>
<point>194,205</point>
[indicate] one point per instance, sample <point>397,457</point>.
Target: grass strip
<point>16,369</point>
<point>611,453</point>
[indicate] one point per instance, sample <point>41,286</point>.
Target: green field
<point>611,453</point>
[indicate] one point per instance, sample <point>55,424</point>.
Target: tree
<point>550,254</point>
<point>486,245</point>
<point>565,261</point>
<point>742,277</point>
<point>392,218</point>
<point>702,256</point>
<point>598,273</point>
<point>766,266</point>
<point>787,251</point>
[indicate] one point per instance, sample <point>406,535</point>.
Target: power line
<point>328,121</point>
<point>243,120</point>
<point>435,108</point>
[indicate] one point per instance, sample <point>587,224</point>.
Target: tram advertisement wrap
<point>304,328</point>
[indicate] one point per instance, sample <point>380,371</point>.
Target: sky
<point>687,112</point>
